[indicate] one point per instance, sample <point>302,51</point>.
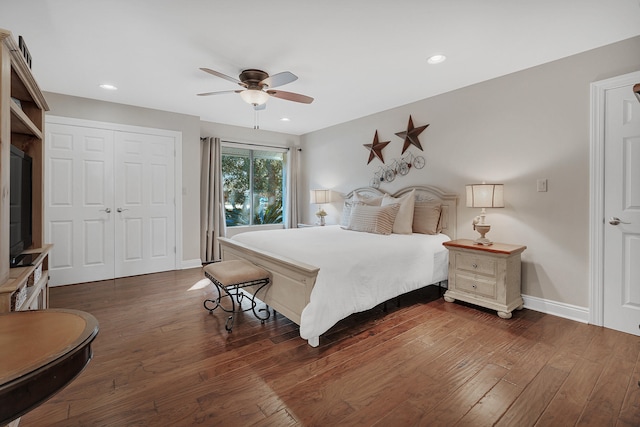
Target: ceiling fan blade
<point>290,96</point>
<point>223,76</point>
<point>280,79</point>
<point>219,92</point>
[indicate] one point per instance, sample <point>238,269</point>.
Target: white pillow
<point>347,207</point>
<point>404,219</point>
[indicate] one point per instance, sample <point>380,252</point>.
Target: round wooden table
<point>40,353</point>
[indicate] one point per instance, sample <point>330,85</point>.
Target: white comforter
<point>357,270</point>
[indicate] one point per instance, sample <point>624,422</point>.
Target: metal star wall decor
<point>411,135</point>
<point>375,149</point>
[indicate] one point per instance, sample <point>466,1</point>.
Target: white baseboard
<point>191,263</point>
<point>568,311</point>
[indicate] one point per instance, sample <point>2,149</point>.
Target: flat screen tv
<point>20,235</point>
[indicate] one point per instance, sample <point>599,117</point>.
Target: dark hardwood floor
<point>161,360</point>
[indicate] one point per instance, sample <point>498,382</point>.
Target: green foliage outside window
<point>253,186</point>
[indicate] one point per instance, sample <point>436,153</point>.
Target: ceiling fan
<point>258,87</point>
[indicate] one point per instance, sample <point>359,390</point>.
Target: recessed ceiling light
<point>108,87</point>
<point>436,59</point>
<point>285,119</point>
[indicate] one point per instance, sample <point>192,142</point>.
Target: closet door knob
<point>615,221</point>
<point>122,210</point>
<point>107,210</point>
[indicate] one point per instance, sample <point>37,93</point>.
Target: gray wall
<point>513,130</point>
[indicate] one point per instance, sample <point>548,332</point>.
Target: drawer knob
<point>474,286</point>
<point>474,265</point>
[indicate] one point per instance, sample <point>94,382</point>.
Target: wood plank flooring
<point>161,359</point>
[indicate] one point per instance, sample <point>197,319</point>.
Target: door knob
<point>615,221</point>
<point>107,210</point>
<point>122,210</point>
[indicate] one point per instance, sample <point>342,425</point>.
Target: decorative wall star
<point>411,135</point>
<point>375,149</point>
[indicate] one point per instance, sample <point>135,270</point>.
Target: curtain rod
<point>202,138</point>
<point>254,145</point>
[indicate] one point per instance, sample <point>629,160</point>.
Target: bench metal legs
<point>236,296</point>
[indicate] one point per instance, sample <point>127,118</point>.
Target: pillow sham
<point>371,201</point>
<point>404,220</point>
<point>426,217</point>
<point>354,200</point>
<point>373,219</point>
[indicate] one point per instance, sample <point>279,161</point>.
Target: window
<point>253,186</point>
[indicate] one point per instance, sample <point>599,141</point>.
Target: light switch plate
<point>542,185</point>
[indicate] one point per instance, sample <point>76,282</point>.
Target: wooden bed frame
<point>292,281</point>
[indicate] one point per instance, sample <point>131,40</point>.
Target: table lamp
<point>484,196</point>
<point>320,197</point>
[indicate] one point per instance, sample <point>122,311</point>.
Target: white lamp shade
<point>485,196</point>
<point>320,196</point>
<point>254,97</point>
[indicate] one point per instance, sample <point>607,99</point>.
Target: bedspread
<point>357,270</point>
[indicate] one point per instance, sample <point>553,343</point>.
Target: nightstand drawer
<point>475,264</point>
<point>481,286</point>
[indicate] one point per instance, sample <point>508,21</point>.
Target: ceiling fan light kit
<point>254,96</point>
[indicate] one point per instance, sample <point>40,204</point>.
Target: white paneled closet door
<point>110,204</point>
<point>145,204</point>
<point>79,203</point>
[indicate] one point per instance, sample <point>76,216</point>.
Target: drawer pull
<point>474,265</point>
<point>474,286</point>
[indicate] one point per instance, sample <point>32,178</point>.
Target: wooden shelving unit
<point>22,125</point>
<point>27,287</point>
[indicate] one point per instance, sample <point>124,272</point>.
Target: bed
<point>320,275</point>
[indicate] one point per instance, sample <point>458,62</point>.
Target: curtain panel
<point>212,215</point>
<point>292,212</point>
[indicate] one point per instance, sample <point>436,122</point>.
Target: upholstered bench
<point>229,277</point>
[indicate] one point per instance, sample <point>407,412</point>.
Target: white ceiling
<point>355,57</point>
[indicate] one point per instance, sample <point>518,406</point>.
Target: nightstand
<point>488,276</point>
<point>301,225</point>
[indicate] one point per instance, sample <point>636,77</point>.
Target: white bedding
<point>357,270</point>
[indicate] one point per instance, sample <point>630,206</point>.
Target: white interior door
<point>79,203</point>
<point>145,204</point>
<point>110,201</point>
<point>622,211</point>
